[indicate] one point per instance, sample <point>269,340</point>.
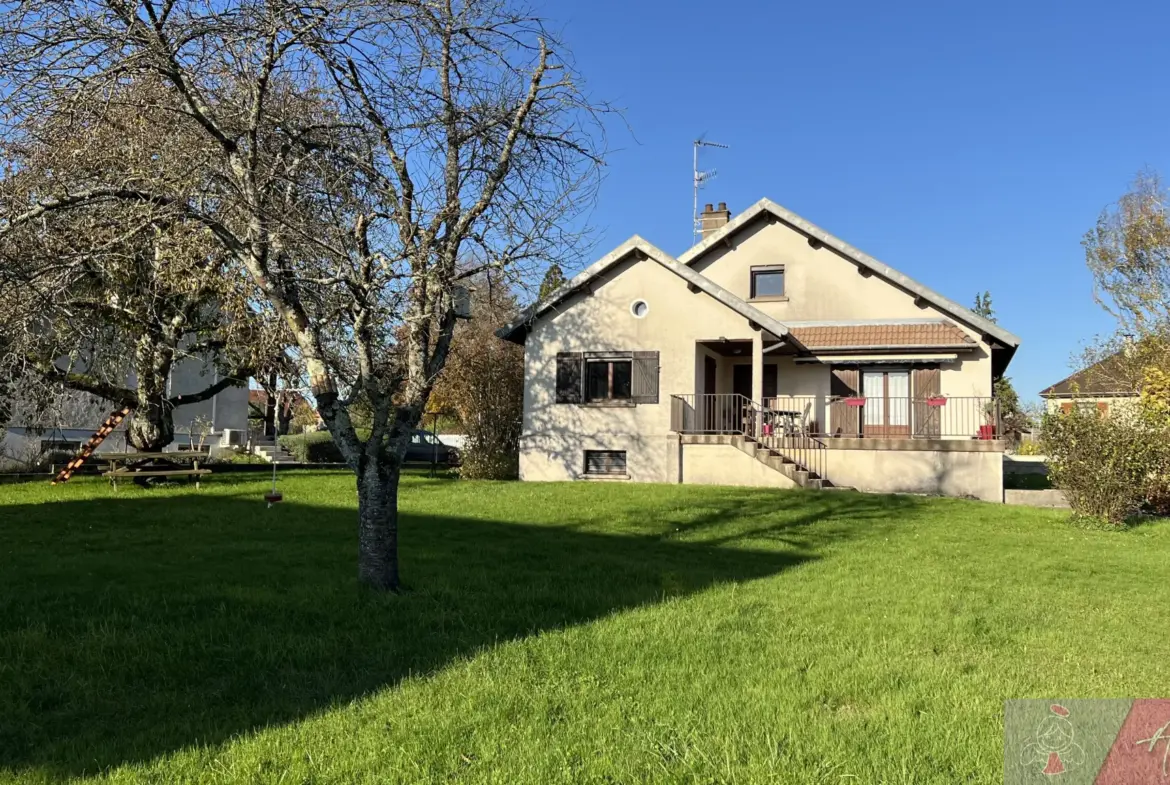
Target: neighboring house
<point>771,353</point>
<point>223,420</point>
<point>1103,386</point>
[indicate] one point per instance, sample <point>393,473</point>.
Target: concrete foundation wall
<point>976,475</point>
<point>725,464</point>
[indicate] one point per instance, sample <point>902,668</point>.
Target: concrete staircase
<point>778,461</point>
<point>268,449</point>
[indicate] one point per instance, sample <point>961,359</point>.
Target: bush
<point>1030,448</point>
<point>238,457</point>
<point>312,447</point>
<point>1108,467</point>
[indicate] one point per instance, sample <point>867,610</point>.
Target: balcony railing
<point>929,417</point>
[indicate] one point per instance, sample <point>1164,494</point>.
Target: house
<point>771,354</point>
<point>1105,384</point>
<point>219,421</point>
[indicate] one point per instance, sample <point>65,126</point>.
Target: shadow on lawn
<point>130,628</point>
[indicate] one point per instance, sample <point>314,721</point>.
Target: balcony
<point>822,417</point>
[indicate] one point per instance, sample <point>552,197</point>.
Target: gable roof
<point>1106,377</point>
<point>518,329</point>
<point>766,207</point>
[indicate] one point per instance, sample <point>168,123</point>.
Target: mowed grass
<point>577,633</point>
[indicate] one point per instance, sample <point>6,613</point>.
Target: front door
<point>709,406</point>
<point>887,403</point>
<point>741,384</point>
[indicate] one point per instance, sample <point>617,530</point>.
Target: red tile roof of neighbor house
<point>1108,377</point>
<point>882,336</point>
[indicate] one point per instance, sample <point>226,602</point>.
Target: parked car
<point>426,447</point>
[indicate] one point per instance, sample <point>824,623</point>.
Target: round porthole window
<point>639,308</point>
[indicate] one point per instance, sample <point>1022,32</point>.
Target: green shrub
<point>1107,466</point>
<point>1029,448</point>
<point>239,457</point>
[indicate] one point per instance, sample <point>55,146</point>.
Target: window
<point>608,380</point>
<point>767,282</point>
<point>614,377</point>
<point>603,463</point>
<point>639,308</point>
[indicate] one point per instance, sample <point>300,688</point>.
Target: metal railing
<point>777,430</point>
<point>931,417</point>
<point>923,417</point>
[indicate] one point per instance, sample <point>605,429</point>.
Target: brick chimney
<point>712,220</point>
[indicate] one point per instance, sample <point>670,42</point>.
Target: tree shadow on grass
<point>133,627</point>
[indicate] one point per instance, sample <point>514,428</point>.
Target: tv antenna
<point>701,178</point>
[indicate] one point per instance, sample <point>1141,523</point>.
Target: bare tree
<point>105,296</point>
<point>369,156</point>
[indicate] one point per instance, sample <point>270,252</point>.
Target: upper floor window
<point>767,282</point>
<point>608,380</point>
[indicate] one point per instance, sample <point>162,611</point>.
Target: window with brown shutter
<point>844,420</point>
<point>927,384</point>
<point>645,377</point>
<point>570,376</point>
<point>620,378</point>
<point>1066,407</point>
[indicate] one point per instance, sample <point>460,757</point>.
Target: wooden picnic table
<point>114,471</point>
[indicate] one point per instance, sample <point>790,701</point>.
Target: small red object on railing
<point>855,402</point>
<point>937,400</point>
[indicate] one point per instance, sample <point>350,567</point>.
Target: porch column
<point>758,376</point>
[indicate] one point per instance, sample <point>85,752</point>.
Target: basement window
<point>605,463</point>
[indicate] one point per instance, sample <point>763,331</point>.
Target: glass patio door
<point>887,403</point>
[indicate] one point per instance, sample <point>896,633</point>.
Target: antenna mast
<point>701,178</point>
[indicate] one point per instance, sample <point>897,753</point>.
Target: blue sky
<point>968,146</point>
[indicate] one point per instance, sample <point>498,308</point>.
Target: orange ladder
<point>112,422</point>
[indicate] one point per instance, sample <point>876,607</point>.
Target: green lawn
<point>583,633</point>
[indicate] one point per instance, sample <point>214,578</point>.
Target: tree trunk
<point>377,487</point>
<point>152,426</point>
<point>270,407</point>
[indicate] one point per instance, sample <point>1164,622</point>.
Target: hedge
<point>316,446</point>
<point>312,447</point>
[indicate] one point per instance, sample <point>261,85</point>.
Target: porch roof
<point>932,334</point>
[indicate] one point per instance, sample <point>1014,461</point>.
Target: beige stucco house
<point>1103,386</point>
<point>770,354</point>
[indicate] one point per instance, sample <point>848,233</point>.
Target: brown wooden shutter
<point>1066,407</point>
<point>570,377</point>
<point>927,419</point>
<point>845,420</point>
<point>645,377</point>
<point>1102,409</point>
